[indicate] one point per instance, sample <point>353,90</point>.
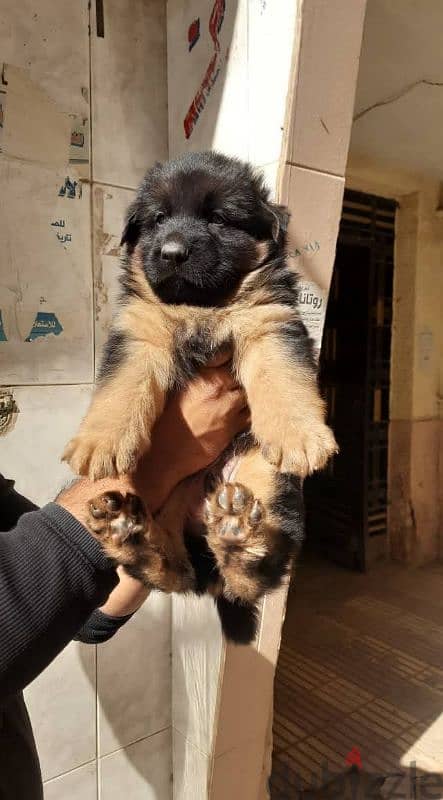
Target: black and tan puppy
<point>205,268</point>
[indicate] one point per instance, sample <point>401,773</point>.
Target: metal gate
<point>347,503</point>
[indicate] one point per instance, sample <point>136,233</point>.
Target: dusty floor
<point>360,679</point>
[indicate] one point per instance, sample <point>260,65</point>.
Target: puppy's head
<point>200,223</point>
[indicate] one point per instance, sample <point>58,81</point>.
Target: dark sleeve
<point>53,574</point>
<point>12,505</point>
<point>100,627</point>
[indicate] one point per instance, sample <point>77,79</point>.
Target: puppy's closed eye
<point>217,218</point>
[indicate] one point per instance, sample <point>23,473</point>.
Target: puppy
<point>205,268</point>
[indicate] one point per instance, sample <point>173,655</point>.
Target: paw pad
<point>118,516</point>
<point>233,512</point>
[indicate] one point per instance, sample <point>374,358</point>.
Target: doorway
<point>346,504</point>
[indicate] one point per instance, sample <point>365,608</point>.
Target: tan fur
<point>158,554</point>
<point>287,416</point>
<point>258,477</point>
<point>287,411</point>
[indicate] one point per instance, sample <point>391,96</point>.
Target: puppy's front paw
<point>100,457</point>
<point>304,448</point>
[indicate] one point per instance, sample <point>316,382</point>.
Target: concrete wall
<point>101,715</point>
<point>415,446</point>
<point>399,99</point>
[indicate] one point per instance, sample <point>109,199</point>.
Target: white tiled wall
<point>134,678</point>
<point>129,96</point>
<point>61,704</point>
<point>142,771</point>
<point>102,716</point>
<point>80,784</point>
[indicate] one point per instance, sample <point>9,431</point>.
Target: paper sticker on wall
<point>8,411</point>
<point>70,189</point>
<point>44,324</point>
<point>3,337</point>
<point>79,144</point>
<point>425,350</point>
<point>312,305</point>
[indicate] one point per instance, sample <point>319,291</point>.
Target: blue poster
<point>45,322</point>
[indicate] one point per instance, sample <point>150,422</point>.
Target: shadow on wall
<point>134,690</point>
<point>133,682</point>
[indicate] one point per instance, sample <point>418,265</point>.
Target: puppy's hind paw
<point>232,513</point>
<point>117,518</point>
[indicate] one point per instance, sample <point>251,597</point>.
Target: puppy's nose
<point>175,250</point>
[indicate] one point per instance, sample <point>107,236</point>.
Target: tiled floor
<point>360,679</point>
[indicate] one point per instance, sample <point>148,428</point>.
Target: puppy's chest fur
<point>192,335</point>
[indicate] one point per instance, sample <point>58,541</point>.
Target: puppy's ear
<point>278,218</point>
<point>280,221</point>
<point>131,231</point>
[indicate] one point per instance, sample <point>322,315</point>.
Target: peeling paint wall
<point>80,120</point>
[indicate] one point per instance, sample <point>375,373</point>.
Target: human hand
<point>196,426</point>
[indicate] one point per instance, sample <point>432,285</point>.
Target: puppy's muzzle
<point>175,250</point>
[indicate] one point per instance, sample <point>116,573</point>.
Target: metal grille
<point>347,504</point>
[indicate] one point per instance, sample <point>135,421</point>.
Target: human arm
<point>194,429</point>
<point>53,573</point>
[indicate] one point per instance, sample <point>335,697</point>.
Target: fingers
<point>217,380</point>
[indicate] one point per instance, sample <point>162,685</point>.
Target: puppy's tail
<point>239,621</point>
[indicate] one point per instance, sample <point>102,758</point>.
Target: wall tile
<point>109,208</point>
<point>129,90</point>
<point>80,784</point>
<point>326,81</point>
<point>315,202</point>
<point>220,62</point>
<point>61,704</point>
<point>271,172</point>
<point>237,773</point>
<point>34,38</point>
<point>141,771</point>
<point>269,75</point>
<point>197,653</point>
<point>244,703</point>
<point>134,677</point>
<point>31,456</point>
<point>44,235</point>
<point>191,770</point>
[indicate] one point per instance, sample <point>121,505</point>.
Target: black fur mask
<point>197,221</point>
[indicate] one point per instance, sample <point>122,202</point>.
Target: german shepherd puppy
<point>205,268</point>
